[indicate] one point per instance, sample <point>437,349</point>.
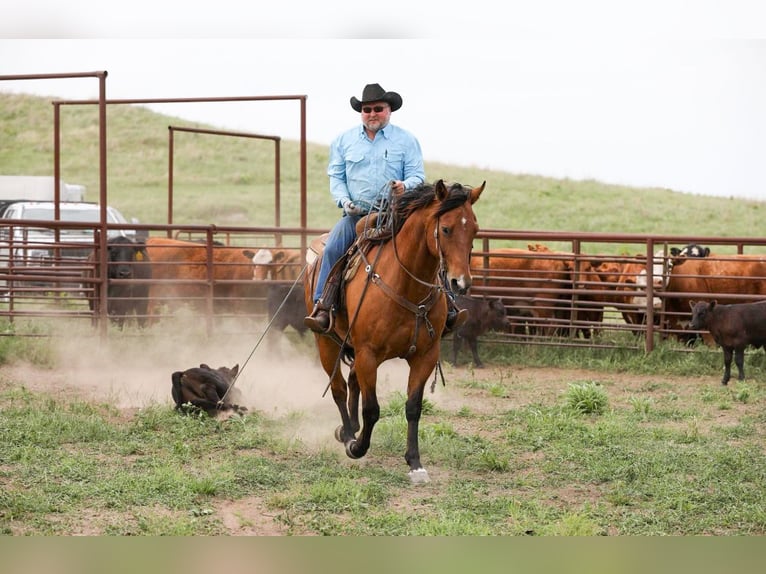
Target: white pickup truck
<point>29,249</point>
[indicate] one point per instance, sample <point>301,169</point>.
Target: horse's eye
<point>445,230</point>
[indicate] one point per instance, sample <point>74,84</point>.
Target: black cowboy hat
<point>374,93</point>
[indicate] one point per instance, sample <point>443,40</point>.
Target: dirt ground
<point>277,380</point>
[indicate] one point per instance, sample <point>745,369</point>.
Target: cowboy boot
<point>320,320</point>
<point>456,318</point>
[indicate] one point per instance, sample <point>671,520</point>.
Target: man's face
<point>375,115</point>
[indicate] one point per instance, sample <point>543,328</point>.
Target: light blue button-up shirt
<point>361,169</point>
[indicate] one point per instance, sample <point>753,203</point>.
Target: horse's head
<point>455,229</point>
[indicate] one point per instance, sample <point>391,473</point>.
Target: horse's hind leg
<point>328,356</point>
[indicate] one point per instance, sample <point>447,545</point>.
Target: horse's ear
<point>476,192</point>
<point>440,190</point>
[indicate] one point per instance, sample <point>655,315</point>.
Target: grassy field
<point>93,447</point>
<point>544,442</point>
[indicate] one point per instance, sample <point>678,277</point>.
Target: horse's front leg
<point>420,370</point>
<point>364,375</point>
<point>353,400</point>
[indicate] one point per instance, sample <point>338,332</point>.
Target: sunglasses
<point>377,109</point>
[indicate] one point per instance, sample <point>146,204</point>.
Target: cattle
<point>483,315</point>
<point>539,282</point>
<point>729,279</point>
<point>126,261</point>
<point>690,250</point>
<point>626,279</point>
<point>629,280</point>
<point>734,327</point>
<point>207,389</point>
<point>277,263</point>
<point>180,275</point>
<point>286,307</point>
<point>582,308</point>
<point>568,292</point>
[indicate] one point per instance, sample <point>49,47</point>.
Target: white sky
<point>654,93</point>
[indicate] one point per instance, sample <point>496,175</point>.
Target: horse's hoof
<point>419,476</point>
<point>339,433</point>
<point>349,445</point>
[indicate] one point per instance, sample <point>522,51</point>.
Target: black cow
<point>126,260</point>
<point>286,307</point>
<point>483,315</point>
<point>733,327</point>
<point>207,389</point>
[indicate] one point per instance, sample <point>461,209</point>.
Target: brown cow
<point>542,280</point>
<point>627,278</point>
<point>734,328</point>
<point>727,278</point>
<point>175,262</point>
<point>584,305</point>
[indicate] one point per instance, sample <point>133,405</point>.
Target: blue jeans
<point>342,235</point>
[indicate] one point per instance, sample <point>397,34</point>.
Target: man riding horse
<point>367,163</point>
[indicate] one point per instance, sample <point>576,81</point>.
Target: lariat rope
<point>265,331</point>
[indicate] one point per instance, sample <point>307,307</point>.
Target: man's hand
<point>351,209</point>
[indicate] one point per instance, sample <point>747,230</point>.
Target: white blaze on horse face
<point>461,282</point>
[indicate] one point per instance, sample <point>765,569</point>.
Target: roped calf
<point>733,327</point>
<point>207,389</point>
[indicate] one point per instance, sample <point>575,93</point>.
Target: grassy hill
<point>230,181</point>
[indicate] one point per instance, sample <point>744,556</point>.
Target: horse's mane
<point>422,196</point>
<point>390,220</point>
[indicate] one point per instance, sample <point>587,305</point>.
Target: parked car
<point>29,250</point>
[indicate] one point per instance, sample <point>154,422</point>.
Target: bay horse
<point>394,306</point>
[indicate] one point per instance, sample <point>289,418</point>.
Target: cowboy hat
<point>374,93</point>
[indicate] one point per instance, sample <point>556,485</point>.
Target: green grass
<point>643,466</point>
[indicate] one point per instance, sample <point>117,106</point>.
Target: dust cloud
<point>280,376</point>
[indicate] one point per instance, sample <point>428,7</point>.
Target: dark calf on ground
<point>207,389</point>
<point>126,261</point>
<point>483,315</point>
<point>733,327</point>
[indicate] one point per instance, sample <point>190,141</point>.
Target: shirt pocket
<point>354,159</point>
<point>394,159</point>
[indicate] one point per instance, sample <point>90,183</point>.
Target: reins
<point>421,309</point>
